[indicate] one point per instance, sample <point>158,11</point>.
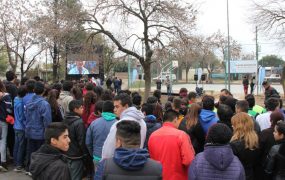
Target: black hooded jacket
<point>77,135</point>
<point>48,163</point>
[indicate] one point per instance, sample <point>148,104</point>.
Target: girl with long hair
<point>245,143</point>
<point>191,125</point>
<point>89,101</point>
<point>57,113</point>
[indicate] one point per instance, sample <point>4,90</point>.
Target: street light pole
<point>228,24</point>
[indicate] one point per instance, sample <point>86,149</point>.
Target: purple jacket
<point>216,162</point>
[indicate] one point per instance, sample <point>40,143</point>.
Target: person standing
<point>5,109</point>
<point>218,160</point>
<point>38,117</point>
<point>245,84</point>
<point>158,83</point>
<point>269,90</point>
<point>172,147</point>
<point>109,83</point>
<point>49,163</point>
<point>129,161</point>
<point>116,84</point>
<point>77,133</point>
<point>252,84</point>
<point>168,85</point>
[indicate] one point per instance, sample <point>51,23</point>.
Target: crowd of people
<point>69,130</point>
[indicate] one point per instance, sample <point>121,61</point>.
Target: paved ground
<point>11,175</point>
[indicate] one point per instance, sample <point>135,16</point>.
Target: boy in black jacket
<point>48,163</point>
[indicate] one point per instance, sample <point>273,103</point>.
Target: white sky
<point>213,16</point>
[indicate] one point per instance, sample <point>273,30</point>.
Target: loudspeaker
<point>195,77</point>
<point>203,77</point>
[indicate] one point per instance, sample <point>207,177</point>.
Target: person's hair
<point>184,101</point>
<point>152,100</point>
<point>37,78</point>
<point>227,92</point>
<point>124,98</point>
<point>265,83</point>
<point>208,102</point>
<point>74,104</point>
<point>2,87</point>
<point>275,117</point>
<point>77,93</point>
<point>54,130</point>
<point>225,113</point>
<point>243,127</point>
<point>22,91</point>
<point>170,98</point>
<point>280,103</point>
<point>24,80</point>
<point>10,75</point>
<point>242,105</point>
<point>170,115</point>
<point>39,88</point>
<point>67,85</point>
<point>157,94</point>
<point>129,133</point>
<point>89,86</point>
<point>137,100</point>
<point>230,101</point>
<point>30,84</point>
<point>192,95</point>
<point>280,127</point>
<point>219,134</point>
<point>57,86</point>
<point>148,108</point>
<point>168,106</point>
<point>183,92</point>
<point>177,103</point>
<point>98,91</point>
<point>52,100</point>
<point>108,106</point>
<point>251,100</point>
<point>271,104</point>
<point>192,115</point>
<point>89,99</point>
<point>107,95</point>
<point>98,107</point>
<point>47,90</point>
<point>134,94</point>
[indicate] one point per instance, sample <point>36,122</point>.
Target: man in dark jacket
<point>129,161</point>
<point>38,117</point>
<point>150,120</point>
<point>77,151</point>
<point>48,163</point>
<point>269,90</point>
<point>13,91</point>
<point>217,161</point>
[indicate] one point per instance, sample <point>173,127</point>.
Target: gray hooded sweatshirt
<point>131,114</point>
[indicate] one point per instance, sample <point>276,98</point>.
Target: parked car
<point>273,78</point>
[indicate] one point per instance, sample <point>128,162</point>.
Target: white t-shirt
<point>264,120</point>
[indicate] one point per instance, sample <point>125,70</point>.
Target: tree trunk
<point>187,72</point>
<point>147,75</point>
<point>54,60</point>
<point>22,68</point>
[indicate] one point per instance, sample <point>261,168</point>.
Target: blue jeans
<point>19,147</point>
<point>3,141</point>
<point>32,146</point>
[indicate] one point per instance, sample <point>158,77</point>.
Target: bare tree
<point>59,23</point>
<point>18,34</point>
<point>269,18</point>
<point>149,22</point>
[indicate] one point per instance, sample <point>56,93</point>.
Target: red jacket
<point>173,149</point>
<point>85,116</point>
